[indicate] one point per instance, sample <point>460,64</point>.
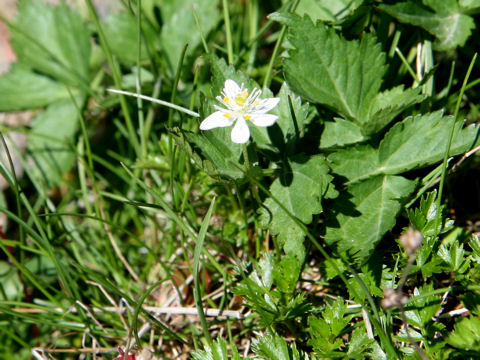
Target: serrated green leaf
<point>355,163</point>
<point>424,217</point>
<point>50,142</point>
<point>327,69</point>
<point>121,32</point>
<point>359,218</point>
<point>286,274</point>
<point>292,120</point>
<point>466,334</point>
<point>327,10</point>
<point>53,41</point>
<point>255,287</point>
<point>454,255</point>
<point>424,308</point>
<point>22,89</point>
<point>10,284</point>
<point>218,351</point>
<point>221,71</point>
<point>301,189</point>
<point>443,20</point>
<point>274,347</point>
<point>358,344</point>
<point>414,143</point>
<point>180,27</point>
<point>471,301</point>
<point>427,135</point>
<point>325,330</point>
<point>216,147</point>
<point>340,132</point>
<point>371,276</point>
<point>469,4</point>
<point>387,105</point>
<point>183,142</point>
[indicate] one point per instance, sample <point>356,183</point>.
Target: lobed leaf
<point>340,132</point>
<point>180,27</point>
<point>292,121</point>
<point>327,69</point>
<point>50,141</point>
<point>121,32</point>
<point>300,190</point>
<point>416,142</point>
<point>22,89</point>
<point>465,335</point>
<point>441,18</point>
<point>53,41</point>
<point>327,10</point>
<point>213,152</point>
<point>387,105</point>
<point>359,218</point>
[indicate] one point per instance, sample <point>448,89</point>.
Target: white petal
<point>266,105</point>
<point>263,119</point>
<point>241,132</point>
<point>231,88</point>
<point>217,119</point>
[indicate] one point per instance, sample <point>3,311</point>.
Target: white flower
<point>240,108</point>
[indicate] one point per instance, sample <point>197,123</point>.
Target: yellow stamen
<point>247,117</point>
<point>226,99</point>
<point>241,98</point>
<point>227,115</point>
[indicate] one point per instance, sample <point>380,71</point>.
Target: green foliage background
<point>125,203</point>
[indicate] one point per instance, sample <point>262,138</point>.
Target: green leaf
<point>466,334</point>
<point>300,190</point>
<point>221,72</point>
<point>286,274</point>
<point>359,343</point>
<point>121,32</point>
<point>387,105</point>
<point>255,287</point>
<point>10,285</point>
<point>22,89</point>
<point>424,218</point>
<point>327,10</point>
<point>292,120</point>
<point>424,308</point>
<point>471,301</point>
<point>355,163</point>
<point>327,69</point>
<point>370,274</point>
<point>414,143</point>
<point>359,218</point>
<point>271,346</point>
<point>325,330</point>
<point>53,41</point>
<point>274,347</point>
<point>421,140</point>
<point>441,18</point>
<point>340,132</point>
<point>218,351</point>
<point>469,4</point>
<point>50,141</point>
<point>212,151</point>
<point>455,257</point>
<point>180,28</point>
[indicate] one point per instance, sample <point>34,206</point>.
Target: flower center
<point>241,98</point>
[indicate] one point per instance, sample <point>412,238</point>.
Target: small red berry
<point>122,355</point>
